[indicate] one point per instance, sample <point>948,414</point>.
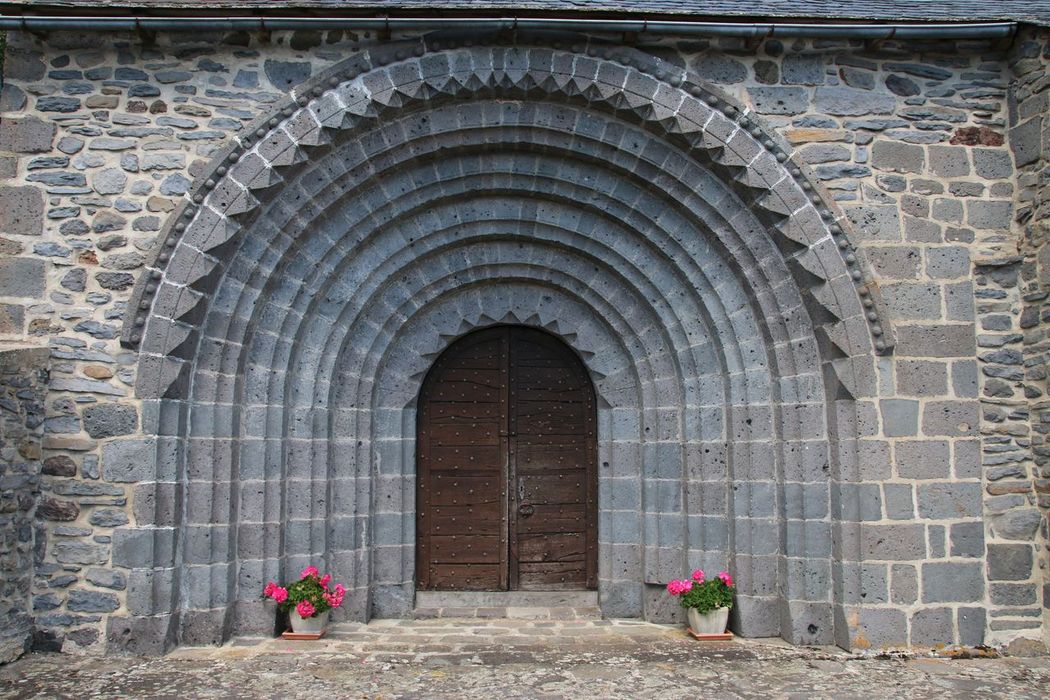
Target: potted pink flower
<point>707,601</point>
<point>308,600</point>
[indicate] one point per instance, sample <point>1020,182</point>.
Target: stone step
<point>510,613</point>
<point>507,599</point>
<point>521,605</point>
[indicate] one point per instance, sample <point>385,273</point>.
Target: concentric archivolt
<point>663,98</point>
<point>420,191</point>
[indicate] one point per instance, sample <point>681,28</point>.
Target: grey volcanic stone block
<point>1009,562</point>
<point>22,213</point>
<point>1013,593</point>
<point>143,547</point>
<point>108,517</point>
<point>73,552</point>
<point>779,100</point>
<point>949,161</point>
<point>923,459</point>
<point>972,623</point>
<point>109,419</point>
<point>877,222</point>
<point>900,417</point>
<point>1026,141</point>
<point>952,418</point>
<point>936,340</point>
<point>898,157</point>
<point>932,626</point>
<point>989,215</point>
<point>130,460</point>
<point>21,277</point>
<point>109,181</point>
<point>880,627</point>
<point>942,501</point>
<point>26,135</point>
<point>844,101</point>
<point>720,69</point>
<point>75,280</point>
<point>91,601</point>
<point>1017,524</point>
<point>284,75</point>
<point>803,69</point>
<point>904,589</point>
<point>893,542</point>
<point>992,163</point>
<point>967,539</point>
<point>950,582</point>
<point>899,85</point>
<point>149,636</point>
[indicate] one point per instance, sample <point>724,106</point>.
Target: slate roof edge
<point>754,30</point>
<point>779,11</point>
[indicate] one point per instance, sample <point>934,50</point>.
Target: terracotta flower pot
<point>308,625</point>
<point>711,622</point>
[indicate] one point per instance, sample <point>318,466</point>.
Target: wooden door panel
<point>466,458</point>
<point>457,412</point>
<point>465,434</point>
<point>549,418</point>
<point>464,577</point>
<point>551,394</point>
<point>552,576</point>
<point>552,466</point>
<point>558,517</point>
<point>467,392</point>
<point>481,519</point>
<point>552,546</point>
<point>551,457</point>
<point>507,466</point>
<point>447,490</point>
<point>465,549</point>
<point>566,487</point>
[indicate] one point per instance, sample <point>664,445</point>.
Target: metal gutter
<point>975,30</point>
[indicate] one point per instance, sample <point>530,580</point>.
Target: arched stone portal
<point>426,189</point>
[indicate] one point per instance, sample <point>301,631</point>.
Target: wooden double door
<point>507,475</point>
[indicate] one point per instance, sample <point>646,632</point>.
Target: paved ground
<point>447,658</point>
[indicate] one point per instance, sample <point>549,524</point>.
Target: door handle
<point>526,509</point>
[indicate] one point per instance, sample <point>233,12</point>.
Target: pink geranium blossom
<point>309,595</point>
<point>679,587</point>
<point>703,594</point>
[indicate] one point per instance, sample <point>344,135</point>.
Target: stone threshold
<point>519,605</point>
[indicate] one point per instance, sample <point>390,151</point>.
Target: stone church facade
<point>806,275</point>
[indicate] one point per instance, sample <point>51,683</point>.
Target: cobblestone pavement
<point>519,658</point>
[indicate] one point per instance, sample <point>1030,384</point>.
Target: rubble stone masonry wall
<point>23,391</point>
<point>1022,526</point>
<point>936,152</point>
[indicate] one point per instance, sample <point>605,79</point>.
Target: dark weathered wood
<point>461,500</point>
<point>551,418</point>
<point>507,466</point>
